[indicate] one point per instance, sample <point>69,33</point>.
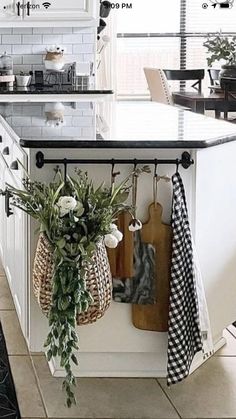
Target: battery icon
<point>224,5</point>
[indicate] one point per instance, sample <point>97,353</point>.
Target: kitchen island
<point>126,130</point>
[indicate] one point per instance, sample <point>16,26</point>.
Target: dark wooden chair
<point>214,80</point>
<point>214,76</point>
<point>184,75</point>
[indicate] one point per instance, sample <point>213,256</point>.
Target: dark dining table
<point>200,102</point>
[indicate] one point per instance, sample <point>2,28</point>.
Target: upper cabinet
<point>43,13</point>
<point>9,11</point>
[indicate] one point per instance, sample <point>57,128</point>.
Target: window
<point>165,34</point>
<point>135,52</point>
<point>149,16</point>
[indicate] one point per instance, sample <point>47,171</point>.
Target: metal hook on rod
<point>177,165</point>
<point>155,182</point>
<point>113,173</point>
<point>65,170</point>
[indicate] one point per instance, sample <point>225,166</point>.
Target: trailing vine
<point>74,216</point>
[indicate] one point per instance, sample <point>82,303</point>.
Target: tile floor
<point>209,393</point>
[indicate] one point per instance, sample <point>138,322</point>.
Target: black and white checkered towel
<point>184,337</point>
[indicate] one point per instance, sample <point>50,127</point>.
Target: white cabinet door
<point>20,273</point>
<point>9,246</point>
<point>11,10</point>
<point>62,10</point>
<point>16,256</point>
<point>3,167</point>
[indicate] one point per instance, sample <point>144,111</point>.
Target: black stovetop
<point>52,89</point>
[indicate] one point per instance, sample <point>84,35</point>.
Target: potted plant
<point>76,222</point>
<point>23,79</point>
<point>223,50</point>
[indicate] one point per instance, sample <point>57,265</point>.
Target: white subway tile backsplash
<point>22,49</point>
<point>22,31</point>
<point>38,121</point>
<point>32,59</point>
<point>11,39</point>
<point>38,67</point>
<point>21,121</point>
<point>83,48</point>
<point>82,121</point>
<point>88,38</point>
<point>71,131</point>
<point>22,67</point>
<point>31,121</point>
<point>42,30</point>
<point>5,48</point>
<point>32,39</point>
<point>34,132</point>
<point>71,58</point>
<point>28,45</point>
<point>6,31</point>
<point>17,59</point>
<point>52,39</point>
<point>39,49</point>
<point>62,30</point>
<point>72,39</point>
<point>32,110</point>
<point>88,132</point>
<point>68,121</point>
<point>51,132</point>
<point>88,57</point>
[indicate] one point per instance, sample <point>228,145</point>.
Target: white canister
<point>23,81</point>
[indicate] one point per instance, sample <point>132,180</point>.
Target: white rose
<point>118,235</point>
<point>66,204</point>
<point>111,241</point>
<point>135,225</point>
<point>113,227</point>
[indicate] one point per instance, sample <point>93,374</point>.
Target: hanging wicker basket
<point>98,280</point>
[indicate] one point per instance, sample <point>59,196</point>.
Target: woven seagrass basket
<point>98,280</point>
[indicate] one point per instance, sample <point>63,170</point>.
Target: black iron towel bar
<point>186,161</point>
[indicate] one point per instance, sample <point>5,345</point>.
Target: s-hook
<point>113,173</point>
<point>65,170</point>
<point>155,181</point>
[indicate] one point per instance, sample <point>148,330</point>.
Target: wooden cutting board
<point>155,317</point>
<point>121,258</point>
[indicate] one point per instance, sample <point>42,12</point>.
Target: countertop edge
<point>106,144</point>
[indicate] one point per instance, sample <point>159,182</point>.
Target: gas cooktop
<point>52,89</point>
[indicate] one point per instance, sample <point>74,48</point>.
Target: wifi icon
<point>46,4</point>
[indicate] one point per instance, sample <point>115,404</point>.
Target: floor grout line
<point>167,396</point>
<point>38,386</point>
<point>7,309</point>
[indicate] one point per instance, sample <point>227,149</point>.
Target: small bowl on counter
<point>23,80</point>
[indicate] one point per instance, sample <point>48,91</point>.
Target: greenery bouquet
<point>74,216</point>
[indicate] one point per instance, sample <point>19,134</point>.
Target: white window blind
<point>149,16</point>
<point>134,52</point>
<point>210,19</point>
<point>163,34</point>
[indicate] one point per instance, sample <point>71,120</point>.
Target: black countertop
<point>106,124</point>
<point>52,89</point>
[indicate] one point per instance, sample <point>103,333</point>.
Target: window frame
<point>182,34</point>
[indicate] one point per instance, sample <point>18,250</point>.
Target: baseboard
<point>102,364</point>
